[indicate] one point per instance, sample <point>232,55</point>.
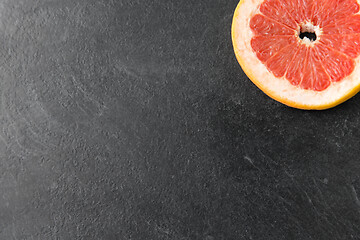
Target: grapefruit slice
<point>302,53</point>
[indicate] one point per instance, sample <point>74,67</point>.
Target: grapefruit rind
<point>281,89</point>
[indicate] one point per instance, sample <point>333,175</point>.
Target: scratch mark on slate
<point>251,162</point>
<point>355,195</point>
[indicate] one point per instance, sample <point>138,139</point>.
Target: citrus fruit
<point>303,53</point>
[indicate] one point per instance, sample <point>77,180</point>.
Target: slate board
<point>132,119</point>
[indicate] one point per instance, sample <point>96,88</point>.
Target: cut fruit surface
<point>302,53</point>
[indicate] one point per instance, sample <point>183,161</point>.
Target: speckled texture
<point>132,120</point>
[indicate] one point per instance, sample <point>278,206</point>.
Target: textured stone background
<point>131,119</point>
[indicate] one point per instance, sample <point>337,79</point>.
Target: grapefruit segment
<point>298,9</point>
<point>347,43</point>
<point>322,10</point>
<point>277,63</point>
<point>262,25</point>
<point>337,9</point>
<point>303,53</point>
<point>266,46</point>
<point>348,25</point>
<point>336,64</point>
<point>274,10</point>
<point>326,12</point>
<point>314,76</point>
<point>295,71</point>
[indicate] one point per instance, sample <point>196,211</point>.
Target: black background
<point>133,120</point>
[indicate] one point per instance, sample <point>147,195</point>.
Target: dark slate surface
<point>131,119</point>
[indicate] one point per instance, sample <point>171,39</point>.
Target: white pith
<point>280,88</point>
<point>309,27</point>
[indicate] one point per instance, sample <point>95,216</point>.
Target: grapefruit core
<point>302,53</point>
